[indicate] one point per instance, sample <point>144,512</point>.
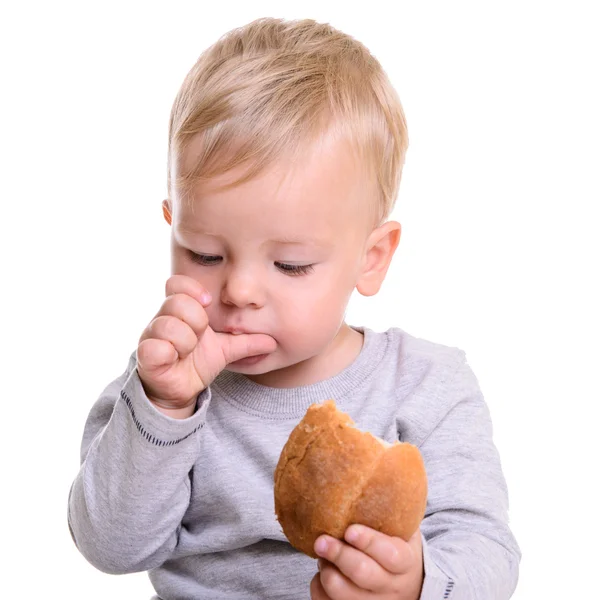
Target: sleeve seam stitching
<point>146,434</point>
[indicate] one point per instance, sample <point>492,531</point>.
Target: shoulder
<point>417,359</point>
<point>430,379</point>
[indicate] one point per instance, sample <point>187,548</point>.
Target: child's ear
<point>381,245</point>
<point>166,206</point>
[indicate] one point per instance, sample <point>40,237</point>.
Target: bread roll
<point>331,475</point>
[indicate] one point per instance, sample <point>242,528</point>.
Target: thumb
<point>236,347</point>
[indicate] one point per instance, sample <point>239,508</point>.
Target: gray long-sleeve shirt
<point>191,500</point>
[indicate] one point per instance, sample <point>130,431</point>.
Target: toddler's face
<point>280,254</point>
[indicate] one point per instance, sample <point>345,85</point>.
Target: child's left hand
<point>375,565</point>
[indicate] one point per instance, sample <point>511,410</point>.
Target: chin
<point>252,365</point>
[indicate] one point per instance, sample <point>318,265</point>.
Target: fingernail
<point>321,546</point>
<point>205,298</point>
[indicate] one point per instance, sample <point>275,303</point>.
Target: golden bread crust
<point>331,475</point>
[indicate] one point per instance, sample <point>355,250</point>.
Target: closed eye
<point>294,269</point>
<point>209,260</point>
<point>205,259</point>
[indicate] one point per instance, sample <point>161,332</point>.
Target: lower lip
<point>250,360</point>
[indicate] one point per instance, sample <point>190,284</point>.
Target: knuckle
<point>202,318</point>
<point>149,352</point>
<point>172,284</point>
<point>198,324</point>
<point>175,304</point>
<point>369,542</point>
<point>363,573</point>
<point>340,550</point>
<point>145,334</point>
<point>187,309</point>
<point>143,350</point>
<point>396,554</point>
<point>166,327</point>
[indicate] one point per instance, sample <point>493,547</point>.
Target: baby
<point>286,147</point>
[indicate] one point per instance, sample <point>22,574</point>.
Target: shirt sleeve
<point>469,552</point>
<point>127,502</point>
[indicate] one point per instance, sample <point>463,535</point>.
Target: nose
<point>242,287</point>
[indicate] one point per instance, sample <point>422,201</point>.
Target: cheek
<point>321,301</point>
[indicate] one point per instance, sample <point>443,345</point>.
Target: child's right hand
<point>179,354</point>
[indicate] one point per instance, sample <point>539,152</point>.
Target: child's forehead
<point>265,221</point>
<point>261,216</point>
<point>291,237</point>
<point>321,189</point>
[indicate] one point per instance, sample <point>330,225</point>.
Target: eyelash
<point>294,269</point>
<point>209,261</point>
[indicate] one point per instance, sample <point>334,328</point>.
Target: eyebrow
<point>197,231</point>
<point>285,240</point>
<point>304,241</point>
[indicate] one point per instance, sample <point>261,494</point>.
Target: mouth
<point>236,331</point>
<point>232,331</point>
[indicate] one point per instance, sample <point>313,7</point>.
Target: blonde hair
<point>271,87</point>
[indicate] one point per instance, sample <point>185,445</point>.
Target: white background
<point>499,254</point>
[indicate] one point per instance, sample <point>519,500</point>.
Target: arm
<point>128,500</point>
<point>469,552</point>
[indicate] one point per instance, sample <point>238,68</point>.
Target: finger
<point>188,309</point>
<point>392,553</point>
<point>337,586</point>
<point>360,569</point>
<point>173,330</point>
<point>316,589</point>
<point>152,354</point>
<point>182,284</point>
<point>240,346</point>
